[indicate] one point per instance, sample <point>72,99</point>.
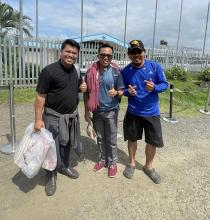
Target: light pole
<point>126,9</point>
<point>153,41</point>
<point>180,20</point>
<point>204,42</point>
<point>21,39</point>
<point>37,23</point>
<point>21,20</point>
<point>81,40</point>
<point>125,30</point>
<point>206,111</point>
<point>37,19</point>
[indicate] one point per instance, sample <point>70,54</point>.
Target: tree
<point>6,19</point>
<point>163,43</point>
<point>9,21</point>
<point>26,24</point>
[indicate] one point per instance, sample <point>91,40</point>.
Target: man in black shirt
<point>56,109</point>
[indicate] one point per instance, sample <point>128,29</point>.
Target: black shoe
<point>70,172</point>
<point>50,186</point>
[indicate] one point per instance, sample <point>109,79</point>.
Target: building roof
<point>56,44</point>
<point>101,37</point>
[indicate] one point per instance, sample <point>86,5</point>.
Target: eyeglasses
<point>103,55</point>
<point>133,52</point>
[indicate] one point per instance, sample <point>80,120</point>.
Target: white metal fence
<point>21,64</point>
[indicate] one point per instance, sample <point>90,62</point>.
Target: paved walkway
<point>184,164</point>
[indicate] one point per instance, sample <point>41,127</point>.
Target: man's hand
<point>149,85</point>
<point>38,125</point>
<point>83,87</point>
<point>87,117</point>
<point>112,92</point>
<point>132,90</point>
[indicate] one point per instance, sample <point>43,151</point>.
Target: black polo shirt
<point>61,87</point>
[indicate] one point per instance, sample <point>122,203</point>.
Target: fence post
<point>206,111</point>
<point>170,118</point>
<point>10,147</point>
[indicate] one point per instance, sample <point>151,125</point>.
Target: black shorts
<point>133,126</point>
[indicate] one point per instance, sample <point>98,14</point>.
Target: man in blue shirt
<point>143,80</point>
<point>104,88</point>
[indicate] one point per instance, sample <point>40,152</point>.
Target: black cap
<point>135,44</point>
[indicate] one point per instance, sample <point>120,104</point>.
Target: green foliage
<point>10,20</point>
<point>163,43</point>
<point>176,73</point>
<point>205,75</point>
<point>6,18</point>
<point>193,75</point>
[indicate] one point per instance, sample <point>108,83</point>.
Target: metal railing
<point>21,64</point>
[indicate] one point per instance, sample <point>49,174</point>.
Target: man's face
<point>105,56</point>
<point>137,57</point>
<point>69,55</point>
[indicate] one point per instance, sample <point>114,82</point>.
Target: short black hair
<point>103,45</point>
<point>70,42</point>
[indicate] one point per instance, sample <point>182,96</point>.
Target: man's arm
<point>162,83</point>
<point>39,106</point>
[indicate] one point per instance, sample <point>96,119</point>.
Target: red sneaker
<point>98,166</point>
<point>112,170</point>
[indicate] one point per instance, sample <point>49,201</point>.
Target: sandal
<point>129,171</point>
<point>153,175</point>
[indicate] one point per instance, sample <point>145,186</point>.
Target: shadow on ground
<point>91,153</point>
<point>25,184</point>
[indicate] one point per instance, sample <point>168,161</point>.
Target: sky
<point>62,19</point>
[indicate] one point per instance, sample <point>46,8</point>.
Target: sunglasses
<point>103,55</point>
<point>133,52</point>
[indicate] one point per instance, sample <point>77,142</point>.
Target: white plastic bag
<point>50,155</point>
<point>36,150</point>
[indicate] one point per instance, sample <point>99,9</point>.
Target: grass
<point>20,95</point>
<point>188,97</point>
